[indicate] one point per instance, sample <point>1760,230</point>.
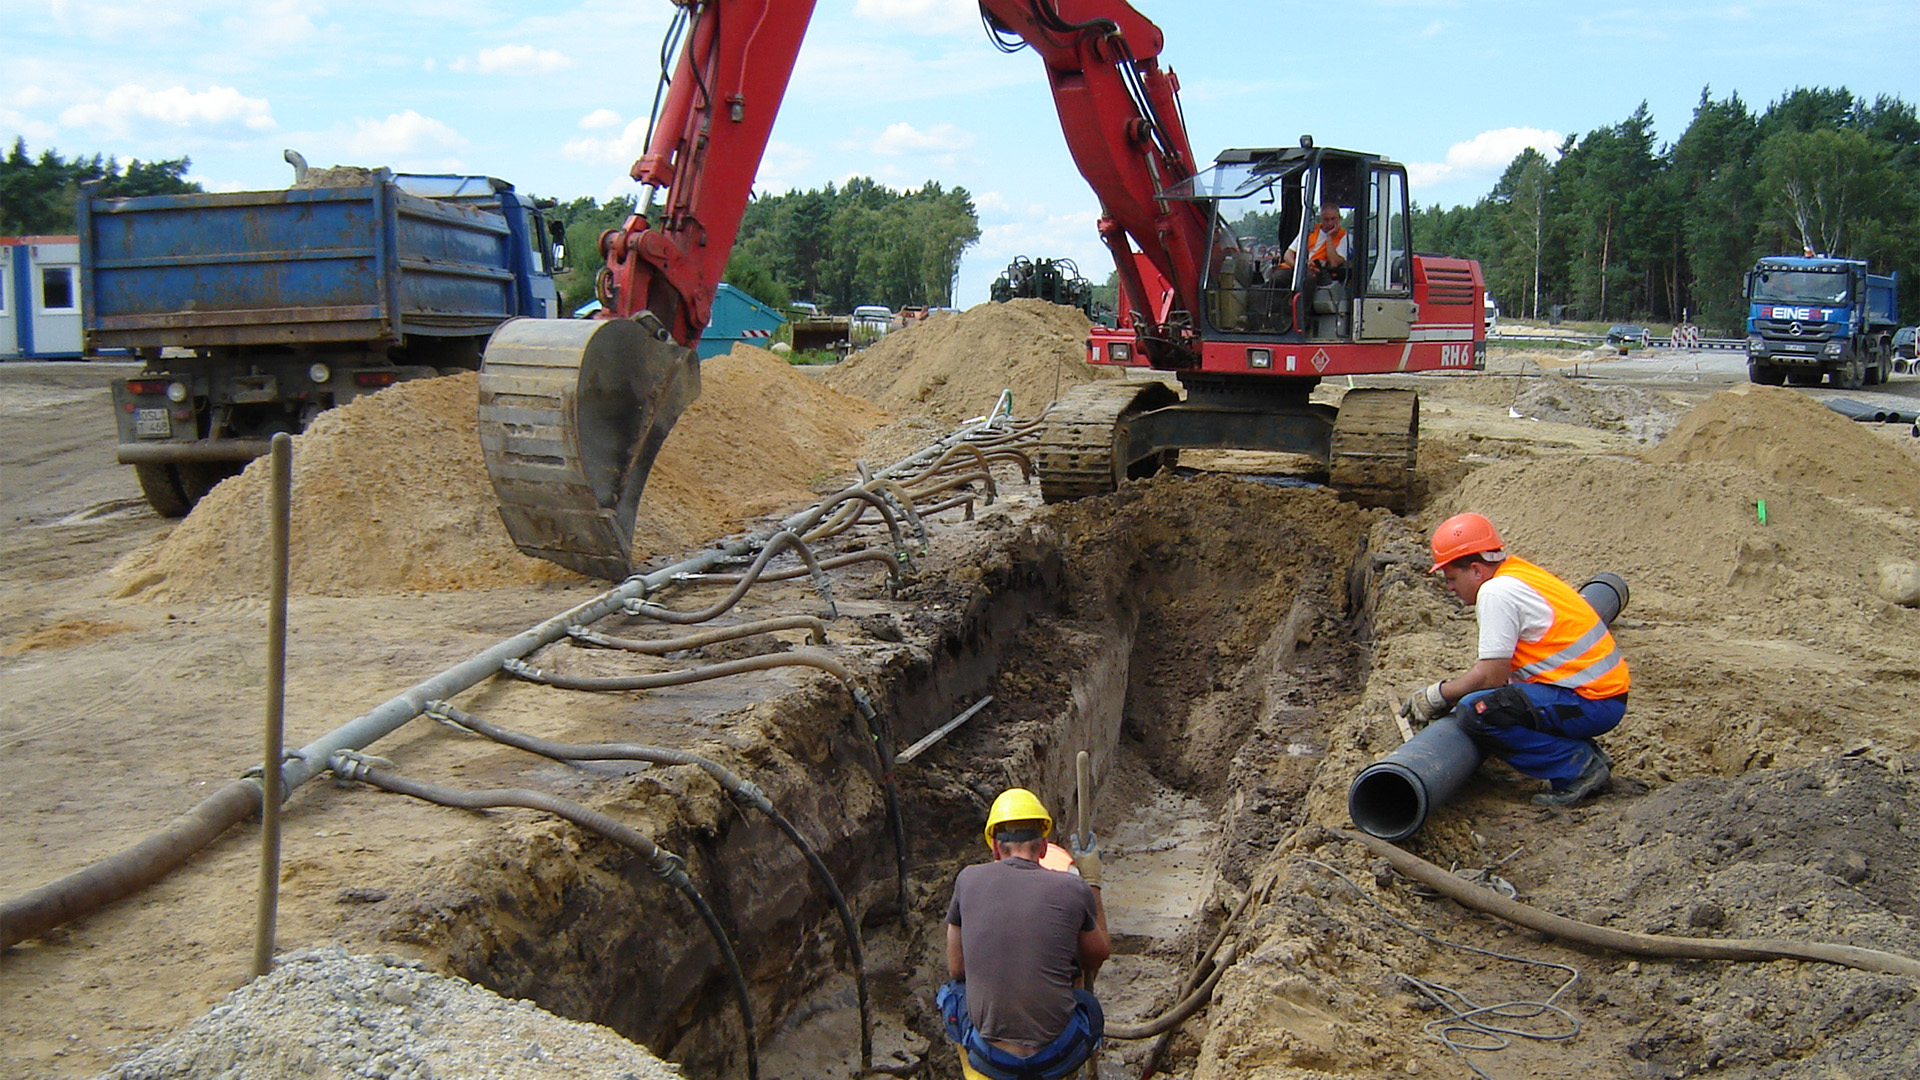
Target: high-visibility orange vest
<point>1578,651</point>
<point>1324,245</point>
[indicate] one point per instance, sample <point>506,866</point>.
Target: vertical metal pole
<point>279,518</point>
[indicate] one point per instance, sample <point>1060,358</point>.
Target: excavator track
<point>1080,449</point>
<point>1374,442</point>
<point>572,413</point>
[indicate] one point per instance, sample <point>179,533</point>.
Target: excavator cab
<point>1251,288</point>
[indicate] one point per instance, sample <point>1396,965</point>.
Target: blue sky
<point>554,96</point>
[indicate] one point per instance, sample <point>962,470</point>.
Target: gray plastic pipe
<point>1392,797</point>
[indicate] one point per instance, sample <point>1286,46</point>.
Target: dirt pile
<point>390,493</point>
<point>953,367</point>
<point>1792,439</point>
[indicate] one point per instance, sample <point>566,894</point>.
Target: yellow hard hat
<point>1018,804</point>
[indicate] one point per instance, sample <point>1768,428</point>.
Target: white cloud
<point>1483,157</point>
<point>401,134</point>
<point>623,149</point>
<point>783,168</point>
<point>280,23</point>
<point>922,16</point>
<point>18,124</point>
<point>515,60</point>
<point>599,119</point>
<point>129,111</point>
<point>904,138</point>
<point>118,21</point>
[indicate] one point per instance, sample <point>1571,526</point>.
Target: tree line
<point>1614,228</point>
<point>41,196</point>
<point>836,247</point>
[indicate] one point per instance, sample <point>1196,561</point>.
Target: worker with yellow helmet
<point>1024,942</point>
<point>1549,677</point>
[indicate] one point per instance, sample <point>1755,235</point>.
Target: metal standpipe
<point>118,876</point>
<point>1392,797</point>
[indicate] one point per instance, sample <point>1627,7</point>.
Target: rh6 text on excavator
<point>573,413</point>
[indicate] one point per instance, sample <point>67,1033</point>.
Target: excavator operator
<point>1550,677</point>
<point>1328,248</point>
<point>1024,942</point>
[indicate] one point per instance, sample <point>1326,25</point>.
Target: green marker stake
<point>1760,507</point>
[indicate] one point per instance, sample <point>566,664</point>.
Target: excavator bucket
<point>572,413</point>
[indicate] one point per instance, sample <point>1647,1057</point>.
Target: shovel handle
<point>1083,777</point>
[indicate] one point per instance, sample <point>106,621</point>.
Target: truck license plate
<point>152,424</point>
<point>1795,347</point>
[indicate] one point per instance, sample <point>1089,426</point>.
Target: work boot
<point>1594,777</point>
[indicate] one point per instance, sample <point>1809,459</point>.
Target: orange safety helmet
<point>1462,535</point>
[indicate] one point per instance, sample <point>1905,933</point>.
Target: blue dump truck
<point>1809,317</point>
<point>255,311</point>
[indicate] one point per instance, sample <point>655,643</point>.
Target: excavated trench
<point>1190,634</point>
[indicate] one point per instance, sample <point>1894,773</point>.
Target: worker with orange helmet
<point>1549,678</point>
<point>1024,942</point>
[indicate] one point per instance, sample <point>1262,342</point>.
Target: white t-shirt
<point>1510,611</point>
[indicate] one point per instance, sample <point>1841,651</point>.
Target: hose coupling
<point>445,712</point>
<point>668,867</point>
<point>587,634</point>
<point>515,666</point>
<point>352,766</point>
<point>750,795</point>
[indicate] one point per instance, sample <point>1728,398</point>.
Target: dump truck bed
<point>367,263</point>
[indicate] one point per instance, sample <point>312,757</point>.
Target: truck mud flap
<point>572,415</point>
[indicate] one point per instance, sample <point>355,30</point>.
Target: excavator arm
<point>573,413</point>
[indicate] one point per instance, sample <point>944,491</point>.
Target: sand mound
<point>1789,437</point>
<point>1687,537</point>
<point>953,367</point>
<point>390,493</point>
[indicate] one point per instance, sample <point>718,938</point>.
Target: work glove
<point>1085,859</point>
<point>1425,705</point>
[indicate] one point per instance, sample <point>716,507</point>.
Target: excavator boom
<point>572,414</point>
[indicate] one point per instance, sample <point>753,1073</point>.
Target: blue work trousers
<point>1067,1052</point>
<point>1558,744</point>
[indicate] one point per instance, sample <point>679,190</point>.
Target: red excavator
<point>572,413</point>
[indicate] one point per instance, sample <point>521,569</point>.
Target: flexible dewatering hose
<point>1189,1005</point>
<point>654,681</point>
<point>832,562</point>
<point>1600,937</point>
<point>817,633</point>
<point>349,766</point>
<point>744,792</point>
<point>777,543</point>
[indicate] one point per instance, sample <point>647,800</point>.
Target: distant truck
<point>255,311</point>
<point>1809,317</point>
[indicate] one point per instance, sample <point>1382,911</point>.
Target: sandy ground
<point>1764,772</point>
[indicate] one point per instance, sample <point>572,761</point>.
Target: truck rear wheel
<point>161,485</point>
<point>199,477</point>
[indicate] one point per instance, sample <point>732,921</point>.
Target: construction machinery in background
<point>1810,317</point>
<point>1056,281</point>
<point>573,413</point>
<point>255,311</point>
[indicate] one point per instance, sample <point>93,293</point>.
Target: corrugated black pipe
<point>1392,797</point>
